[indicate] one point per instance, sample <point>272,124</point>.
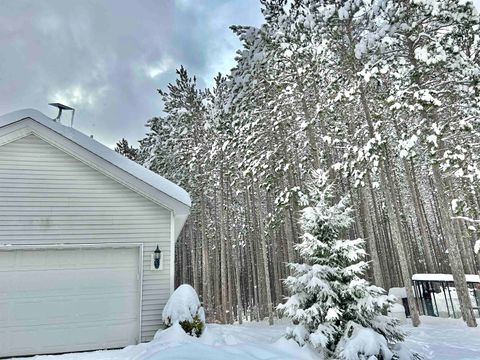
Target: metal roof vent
<point>62,107</point>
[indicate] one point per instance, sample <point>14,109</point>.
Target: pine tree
<point>384,94</point>
<point>124,148</point>
<point>435,90</point>
<point>332,306</point>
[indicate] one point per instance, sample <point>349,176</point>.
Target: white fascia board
<point>180,220</point>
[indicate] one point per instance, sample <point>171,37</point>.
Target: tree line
<point>383,95</point>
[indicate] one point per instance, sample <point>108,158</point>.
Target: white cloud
<point>159,68</point>
<point>107,58</point>
<point>77,96</point>
<point>48,23</point>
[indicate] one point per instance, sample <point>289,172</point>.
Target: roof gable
<point>100,157</point>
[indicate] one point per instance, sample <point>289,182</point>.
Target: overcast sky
<point>106,58</point>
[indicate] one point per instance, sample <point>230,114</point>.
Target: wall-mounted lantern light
<point>157,256</point>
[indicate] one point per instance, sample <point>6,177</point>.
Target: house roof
<point>157,182</point>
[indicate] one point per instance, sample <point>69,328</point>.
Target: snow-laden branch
<point>465,218</point>
<point>476,247</point>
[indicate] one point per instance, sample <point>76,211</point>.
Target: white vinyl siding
<point>49,197</point>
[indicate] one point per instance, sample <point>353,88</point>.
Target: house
<point>79,229</point>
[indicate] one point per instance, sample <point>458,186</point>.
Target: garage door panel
<point>82,337</point>
<point>66,310</point>
<point>67,281</point>
<point>49,304</point>
<point>38,259</point>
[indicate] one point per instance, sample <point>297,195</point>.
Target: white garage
<point>79,226</point>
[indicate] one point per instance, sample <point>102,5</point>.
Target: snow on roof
<point>443,277</point>
<point>120,161</point>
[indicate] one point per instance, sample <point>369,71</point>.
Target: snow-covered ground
<point>444,339</point>
<point>439,339</point>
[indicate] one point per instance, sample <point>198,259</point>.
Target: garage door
<point>63,300</point>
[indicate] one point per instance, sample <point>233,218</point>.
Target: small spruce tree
<point>333,308</point>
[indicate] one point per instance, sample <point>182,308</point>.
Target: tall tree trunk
<point>223,259</point>
<point>453,252</point>
<point>367,234</point>
<point>264,251</point>
<point>394,218</point>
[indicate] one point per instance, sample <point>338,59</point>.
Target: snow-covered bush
<point>363,344</point>
<point>184,308</point>
<point>334,309</point>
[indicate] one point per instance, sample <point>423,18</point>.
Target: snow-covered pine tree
<point>124,148</point>
<point>334,308</point>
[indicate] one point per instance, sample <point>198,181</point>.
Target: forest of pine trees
<point>383,95</point>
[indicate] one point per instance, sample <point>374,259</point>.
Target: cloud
<point>77,96</point>
<point>159,68</point>
<point>107,58</point>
